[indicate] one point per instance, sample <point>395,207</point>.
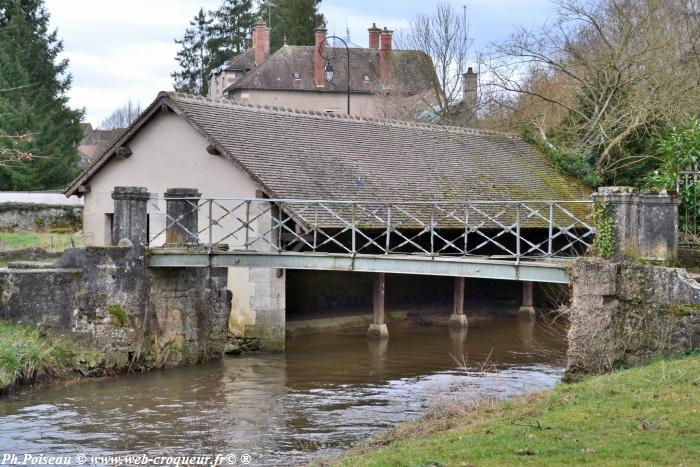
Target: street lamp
<point>328,68</point>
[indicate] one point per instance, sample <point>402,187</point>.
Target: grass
<point>56,242</point>
<point>119,313</point>
<point>28,355</point>
<point>640,416</point>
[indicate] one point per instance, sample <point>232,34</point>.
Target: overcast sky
<point>125,49</point>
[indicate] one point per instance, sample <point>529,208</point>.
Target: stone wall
<point>624,313</point>
<point>109,299</point>
<point>30,217</point>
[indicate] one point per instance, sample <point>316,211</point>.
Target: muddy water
<point>321,396</point>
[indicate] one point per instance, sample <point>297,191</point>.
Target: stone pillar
<point>267,301</point>
<point>458,318</point>
<point>646,223</point>
<point>267,286</point>
<point>182,216</point>
<point>378,328</point>
<point>527,310</point>
<point>130,219</point>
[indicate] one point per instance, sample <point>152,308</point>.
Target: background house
<point>95,141</point>
<point>383,82</point>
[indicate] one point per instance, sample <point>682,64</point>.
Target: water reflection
<point>458,337</point>
<point>323,395</point>
<point>526,328</point>
<point>377,353</point>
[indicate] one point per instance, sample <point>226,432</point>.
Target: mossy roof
<point>314,155</point>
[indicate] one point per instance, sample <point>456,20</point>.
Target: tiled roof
<point>412,71</point>
<point>299,154</point>
<point>244,61</point>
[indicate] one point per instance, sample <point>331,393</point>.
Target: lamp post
<point>328,68</point>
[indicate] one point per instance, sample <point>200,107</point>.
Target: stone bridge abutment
<point>110,300</point>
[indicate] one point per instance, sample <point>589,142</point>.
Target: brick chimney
<point>470,94</point>
<point>319,78</point>
<point>386,69</point>
<point>374,36</point>
<point>261,42</point>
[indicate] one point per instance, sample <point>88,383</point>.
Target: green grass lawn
<point>642,416</point>
<point>57,242</point>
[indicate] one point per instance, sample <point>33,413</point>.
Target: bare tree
<point>10,154</point>
<point>10,145</point>
<point>123,117</point>
<point>611,69</point>
<point>443,37</point>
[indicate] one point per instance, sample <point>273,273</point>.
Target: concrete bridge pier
<point>458,320</point>
<point>527,310</point>
<point>378,329</point>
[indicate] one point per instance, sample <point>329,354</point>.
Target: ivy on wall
<point>605,242</point>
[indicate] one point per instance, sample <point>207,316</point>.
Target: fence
<point>687,188</point>
<point>502,229</point>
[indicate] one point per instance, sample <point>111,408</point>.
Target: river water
<point>322,396</point>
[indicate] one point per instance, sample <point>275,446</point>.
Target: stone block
<point>600,278</point>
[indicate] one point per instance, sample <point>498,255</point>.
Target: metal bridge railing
<point>687,187</point>
<point>503,229</point>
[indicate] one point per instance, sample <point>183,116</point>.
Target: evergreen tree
<point>295,19</point>
<point>231,30</point>
<point>38,131</point>
<point>194,56</point>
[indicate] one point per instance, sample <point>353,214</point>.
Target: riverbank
<point>30,356</point>
<point>642,416</point>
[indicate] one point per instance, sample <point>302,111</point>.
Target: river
<point>318,398</point>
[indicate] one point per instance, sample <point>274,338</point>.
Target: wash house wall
<point>169,153</point>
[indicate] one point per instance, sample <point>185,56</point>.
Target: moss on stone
<point>683,310</point>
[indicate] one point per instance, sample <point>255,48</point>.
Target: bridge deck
<point>542,270</point>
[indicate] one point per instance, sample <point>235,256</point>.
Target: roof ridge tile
<point>231,103</point>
